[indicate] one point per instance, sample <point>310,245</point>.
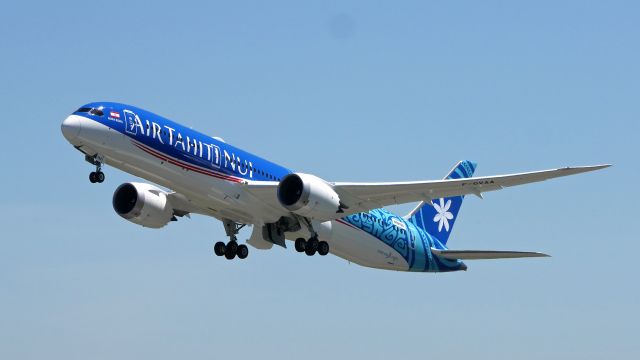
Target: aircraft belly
<point>225,199</point>
<point>357,246</point>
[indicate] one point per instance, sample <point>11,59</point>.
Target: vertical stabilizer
<point>438,215</point>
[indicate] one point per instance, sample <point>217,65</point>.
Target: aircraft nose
<point>71,128</point>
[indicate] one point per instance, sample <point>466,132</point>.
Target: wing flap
<point>484,254</point>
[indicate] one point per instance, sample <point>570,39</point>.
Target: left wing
<point>361,197</point>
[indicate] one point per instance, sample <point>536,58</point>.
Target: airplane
<point>201,174</point>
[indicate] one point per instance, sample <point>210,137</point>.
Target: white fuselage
<point>221,198</point>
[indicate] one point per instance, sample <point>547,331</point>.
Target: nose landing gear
<point>97,160</point>
<point>96,176</point>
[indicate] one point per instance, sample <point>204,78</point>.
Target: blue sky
<point>347,90</point>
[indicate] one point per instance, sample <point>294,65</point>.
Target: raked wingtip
<point>593,167</point>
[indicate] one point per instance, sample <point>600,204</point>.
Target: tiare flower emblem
<point>443,216</point>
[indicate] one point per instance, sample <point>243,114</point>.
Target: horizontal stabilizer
<point>483,254</point>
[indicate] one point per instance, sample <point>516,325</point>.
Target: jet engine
<point>143,204</point>
<point>309,196</point>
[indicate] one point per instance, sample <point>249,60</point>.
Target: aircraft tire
<point>92,177</point>
<point>323,248</point>
<point>300,244</point>
<point>231,250</point>
<point>219,248</point>
<point>243,251</point>
<point>312,244</point>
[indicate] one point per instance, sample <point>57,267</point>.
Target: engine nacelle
<point>309,196</point>
<point>143,204</point>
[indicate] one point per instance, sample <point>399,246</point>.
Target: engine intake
<point>143,204</point>
<point>309,196</point>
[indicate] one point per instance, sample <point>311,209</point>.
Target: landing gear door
<point>257,240</point>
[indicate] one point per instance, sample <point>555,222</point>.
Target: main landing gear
<point>96,176</point>
<point>312,246</point>
<point>231,249</point>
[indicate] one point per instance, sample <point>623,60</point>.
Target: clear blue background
<point>356,91</point>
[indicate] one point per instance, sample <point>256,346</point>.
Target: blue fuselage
<point>194,151</point>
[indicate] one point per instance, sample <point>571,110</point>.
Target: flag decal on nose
<point>114,114</point>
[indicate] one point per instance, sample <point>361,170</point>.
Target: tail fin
<point>438,216</point>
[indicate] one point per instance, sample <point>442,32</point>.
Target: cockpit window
<point>93,111</point>
<point>97,112</point>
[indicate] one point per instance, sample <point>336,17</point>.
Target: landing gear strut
<point>97,160</point>
<point>231,249</point>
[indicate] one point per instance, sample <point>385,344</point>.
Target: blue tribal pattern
<point>411,242</point>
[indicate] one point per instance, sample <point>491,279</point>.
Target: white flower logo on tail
<point>443,216</point>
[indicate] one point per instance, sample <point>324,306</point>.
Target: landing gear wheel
<point>232,249</point>
<point>323,248</point>
<point>300,244</point>
<point>309,251</point>
<point>97,160</point>
<point>313,244</point>
<point>311,247</point>
<point>243,251</point>
<point>219,248</point>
